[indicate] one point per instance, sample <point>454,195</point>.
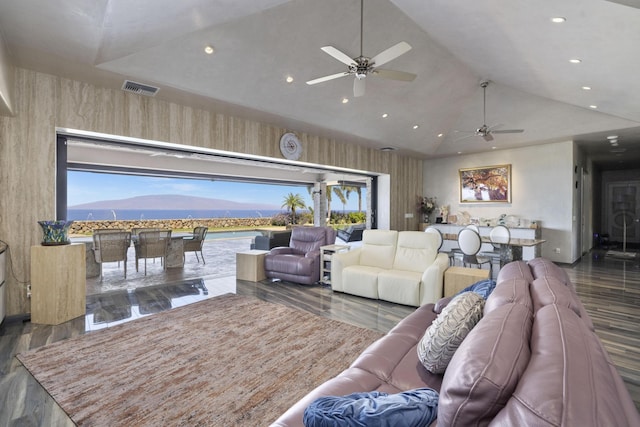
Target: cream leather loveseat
<point>402,267</point>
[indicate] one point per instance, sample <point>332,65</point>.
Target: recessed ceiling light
<point>558,19</point>
<point>612,137</point>
<point>385,115</point>
<point>459,152</point>
<point>493,148</point>
<point>586,87</point>
<point>289,79</point>
<point>345,100</point>
<point>440,135</point>
<point>613,141</point>
<point>575,60</point>
<point>614,144</point>
<point>208,50</point>
<point>593,107</point>
<point>416,126</point>
<point>388,149</point>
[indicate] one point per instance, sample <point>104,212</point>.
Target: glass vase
<point>55,232</point>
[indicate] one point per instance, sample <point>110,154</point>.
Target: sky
<point>85,187</point>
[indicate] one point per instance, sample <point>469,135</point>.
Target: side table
<point>58,283</point>
<point>458,278</point>
<point>326,252</point>
<point>250,265</point>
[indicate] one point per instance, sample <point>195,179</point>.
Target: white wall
<point>542,190</point>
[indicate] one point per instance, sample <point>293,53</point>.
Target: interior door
<point>623,211</point>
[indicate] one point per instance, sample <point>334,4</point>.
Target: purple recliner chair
<point>300,261</point>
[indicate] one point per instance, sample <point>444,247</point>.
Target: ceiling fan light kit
<point>362,66</point>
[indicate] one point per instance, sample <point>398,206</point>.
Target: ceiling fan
<point>362,66</point>
<point>485,131</point>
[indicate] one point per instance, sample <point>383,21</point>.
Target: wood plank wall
<point>44,102</point>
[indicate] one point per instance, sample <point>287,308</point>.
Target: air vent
<point>139,88</point>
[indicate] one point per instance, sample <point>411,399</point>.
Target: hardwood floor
<point>609,288</point>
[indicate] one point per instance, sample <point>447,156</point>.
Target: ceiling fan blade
<point>358,87</point>
<point>326,78</point>
<point>340,56</point>
<point>487,137</point>
<point>508,131</point>
<point>395,75</point>
<point>390,54</point>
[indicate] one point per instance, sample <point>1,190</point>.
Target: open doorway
<point>120,162</point>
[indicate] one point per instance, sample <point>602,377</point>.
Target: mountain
<point>173,202</point>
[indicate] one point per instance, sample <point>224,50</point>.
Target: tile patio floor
<point>220,258</point>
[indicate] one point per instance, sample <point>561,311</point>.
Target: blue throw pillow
<point>483,288</point>
<point>417,407</point>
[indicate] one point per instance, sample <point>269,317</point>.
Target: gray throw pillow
<point>444,336</point>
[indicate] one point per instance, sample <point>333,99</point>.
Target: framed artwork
<point>485,184</point>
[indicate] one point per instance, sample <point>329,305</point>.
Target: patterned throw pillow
<point>444,336</point>
<point>482,288</point>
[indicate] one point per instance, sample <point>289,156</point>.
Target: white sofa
<point>401,267</point>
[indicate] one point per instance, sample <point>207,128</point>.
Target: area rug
<point>227,361</point>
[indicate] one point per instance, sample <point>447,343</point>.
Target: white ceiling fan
<point>362,66</point>
<point>485,131</point>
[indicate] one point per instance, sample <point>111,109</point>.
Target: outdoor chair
<point>152,244</point>
<point>353,233</point>
<point>195,243</point>
<point>111,246</point>
<point>136,230</point>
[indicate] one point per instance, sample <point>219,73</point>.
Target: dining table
<point>510,251</point>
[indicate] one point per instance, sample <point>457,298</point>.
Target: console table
<point>58,283</point>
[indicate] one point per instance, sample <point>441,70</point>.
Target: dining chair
<point>195,242</point>
<point>456,252</point>
<point>499,236</point>
<point>438,233</point>
<point>470,243</point>
<point>433,230</point>
<point>111,246</point>
<point>152,244</point>
<point>474,228</point>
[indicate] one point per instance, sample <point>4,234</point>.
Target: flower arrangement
<point>426,205</point>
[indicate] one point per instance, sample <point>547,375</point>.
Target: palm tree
<point>339,191</point>
<point>358,190</point>
<point>292,202</point>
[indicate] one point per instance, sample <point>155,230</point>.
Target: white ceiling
<point>456,44</point>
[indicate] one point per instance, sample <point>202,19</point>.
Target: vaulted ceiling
<point>455,45</point>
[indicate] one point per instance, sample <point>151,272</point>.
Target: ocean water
<point>137,214</point>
